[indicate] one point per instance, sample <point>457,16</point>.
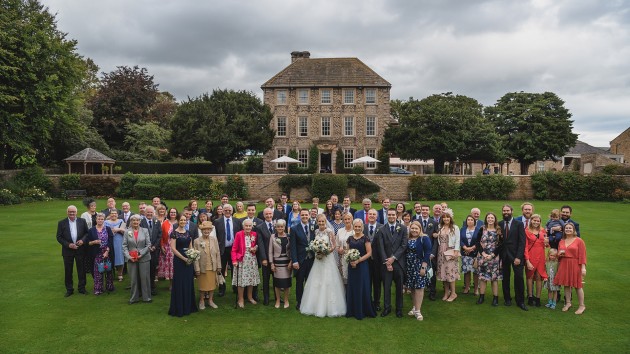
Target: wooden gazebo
<point>93,162</point>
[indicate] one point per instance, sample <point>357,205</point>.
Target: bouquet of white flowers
<point>319,247</point>
<point>192,255</point>
<point>352,255</point>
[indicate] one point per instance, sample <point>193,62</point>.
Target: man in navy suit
<point>512,252</point>
<point>391,240</point>
<point>476,213</point>
<point>375,262</point>
<point>362,214</point>
<point>346,208</point>
<point>382,214</point>
<point>300,237</point>
<point>271,204</point>
<point>286,207</point>
<point>72,233</point>
<point>527,210</point>
<point>565,215</point>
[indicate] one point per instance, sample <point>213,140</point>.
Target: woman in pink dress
<point>536,239</point>
<point>572,267</point>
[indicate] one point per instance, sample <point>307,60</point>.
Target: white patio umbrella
<point>285,159</point>
<point>364,159</point>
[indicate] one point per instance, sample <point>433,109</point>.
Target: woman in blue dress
<point>358,294</point>
<point>118,228</point>
<point>418,257</point>
<point>183,291</point>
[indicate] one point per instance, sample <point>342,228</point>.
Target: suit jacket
<point>513,245</point>
<point>392,244</point>
<point>209,257</point>
<point>423,249</point>
<point>366,232</point>
<point>275,249</point>
<point>219,226</point>
<point>521,219</point>
<point>193,230</point>
<point>432,227</point>
<point>64,237</point>
<point>277,215</point>
<point>155,233</point>
<point>361,215</point>
<point>126,221</point>
<point>463,240</point>
<point>142,245</point>
<point>299,242</point>
<point>106,212</point>
<point>95,250</point>
<point>351,210</point>
<point>263,232</point>
<point>479,224</point>
<point>382,216</point>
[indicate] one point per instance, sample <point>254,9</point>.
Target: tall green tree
<point>442,127</point>
<point>221,127</point>
<point>124,96</point>
<point>40,87</point>
<point>532,126</point>
<point>148,140</point>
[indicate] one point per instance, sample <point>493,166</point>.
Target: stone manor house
<point>332,103</point>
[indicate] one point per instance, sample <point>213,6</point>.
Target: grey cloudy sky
<point>579,49</point>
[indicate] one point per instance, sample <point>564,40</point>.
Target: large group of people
<point>341,260</point>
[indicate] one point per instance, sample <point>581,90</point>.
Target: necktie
<point>507,228</point>
<point>366,217</point>
<point>424,225</point>
<point>371,230</point>
<point>228,230</point>
<point>270,228</point>
<point>150,225</point>
<point>308,236</point>
<point>391,228</point>
<point>526,223</point>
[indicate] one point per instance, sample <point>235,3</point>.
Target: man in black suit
<point>154,226</point>
<point>277,214</point>
<point>111,205</point>
<point>382,214</point>
<point>72,233</point>
<point>264,229</point>
<point>392,244</point>
<point>375,262</point>
<point>299,238</point>
<point>430,227</point>
<point>346,208</point>
<point>192,228</point>
<point>226,227</point>
<point>286,207</point>
<point>126,213</point>
<point>251,215</point>
<point>512,252</point>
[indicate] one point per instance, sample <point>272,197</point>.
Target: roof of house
<point>582,148</point>
<point>625,133</point>
<point>89,155</point>
<point>326,72</point>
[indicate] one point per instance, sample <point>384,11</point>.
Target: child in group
<point>552,269</point>
<point>554,227</point>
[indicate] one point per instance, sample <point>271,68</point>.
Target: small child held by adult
<point>552,268</point>
<point>554,227</point>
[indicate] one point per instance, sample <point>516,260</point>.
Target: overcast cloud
<point>579,49</point>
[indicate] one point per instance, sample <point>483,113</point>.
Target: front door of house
<point>325,162</point>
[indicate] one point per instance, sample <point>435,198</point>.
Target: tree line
<point>54,103</point>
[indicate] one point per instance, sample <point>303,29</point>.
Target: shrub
<point>70,181</point>
<point>573,186</point>
<point>169,187</point>
<point>166,167</point>
<point>288,182</point>
<point>434,188</point>
<point>358,170</point>
<point>33,194</point>
<point>383,166</point>
<point>125,189</point>
<point>236,188</point>
<point>31,177</point>
<point>144,190</point>
<point>254,164</point>
<point>8,198</point>
<point>491,187</point>
<point>339,163</point>
<point>325,185</point>
<point>362,185</point>
<point>616,170</point>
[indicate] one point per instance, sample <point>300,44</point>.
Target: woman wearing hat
<point>208,265</point>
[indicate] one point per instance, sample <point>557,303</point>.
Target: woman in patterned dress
<point>244,262</point>
<point>165,265</point>
<point>468,242</point>
<point>337,222</point>
<point>342,237</point>
<point>101,242</point>
<point>118,228</point>
<point>448,240</point>
<point>280,258</point>
<point>489,267</point>
<point>418,259</point>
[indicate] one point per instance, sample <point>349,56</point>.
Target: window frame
<point>278,101</point>
<point>367,133</point>
<point>345,95</point>
<point>299,127</point>
<point>366,95</point>
<point>299,98</point>
<point>284,118</point>
<point>321,96</point>
<point>345,126</point>
<point>321,126</point>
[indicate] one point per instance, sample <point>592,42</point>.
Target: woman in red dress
<point>572,267</point>
<point>535,259</point>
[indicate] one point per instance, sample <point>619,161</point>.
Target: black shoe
<point>133,302</point>
<point>297,307</point>
<point>83,292</point>
<point>495,301</point>
<point>68,293</point>
<point>432,296</point>
<point>537,301</point>
<point>377,308</point>
<point>481,299</point>
<point>523,307</point>
<point>148,301</point>
<point>508,302</point>
<point>530,300</point>
<point>266,302</point>
<point>386,312</point>
<point>399,314</point>
<point>153,292</point>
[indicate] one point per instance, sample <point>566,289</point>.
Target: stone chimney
<point>300,55</point>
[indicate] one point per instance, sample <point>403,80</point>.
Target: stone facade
<point>329,103</point>
<point>621,145</point>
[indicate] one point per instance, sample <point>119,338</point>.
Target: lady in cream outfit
<point>208,265</point>
<point>136,248</point>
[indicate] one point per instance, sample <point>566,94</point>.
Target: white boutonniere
<point>254,224</point>
<point>430,224</point>
<point>203,244</point>
<point>398,228</point>
<point>129,233</point>
<point>312,227</point>
<point>278,241</point>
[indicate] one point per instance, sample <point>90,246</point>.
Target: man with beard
<point>527,209</point>
<point>565,215</point>
<point>512,252</point>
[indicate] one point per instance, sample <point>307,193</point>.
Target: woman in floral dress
<point>244,261</point>
<point>447,269</point>
<point>165,265</point>
<point>101,242</point>
<point>489,267</point>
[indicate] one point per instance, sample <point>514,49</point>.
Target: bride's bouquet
<point>352,255</point>
<point>319,247</point>
<point>192,255</point>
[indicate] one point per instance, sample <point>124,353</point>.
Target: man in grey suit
<point>375,262</point>
<point>265,229</point>
<point>154,226</point>
<point>430,227</point>
<point>72,233</point>
<point>391,239</point>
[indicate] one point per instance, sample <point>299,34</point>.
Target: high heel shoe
<point>566,307</point>
<point>286,304</point>
<point>451,298</point>
<point>419,316</point>
<point>481,299</point>
<point>252,301</point>
<point>276,306</point>
<point>241,305</point>
<point>580,310</point>
<point>412,312</point>
<point>202,305</point>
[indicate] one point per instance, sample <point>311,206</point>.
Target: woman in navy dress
<point>183,291</point>
<point>418,258</point>
<point>358,298</point>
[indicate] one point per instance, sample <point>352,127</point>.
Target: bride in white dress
<point>324,294</point>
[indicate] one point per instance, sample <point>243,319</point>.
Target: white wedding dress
<point>324,294</point>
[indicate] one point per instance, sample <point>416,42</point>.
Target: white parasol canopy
<point>364,159</point>
<point>285,159</point>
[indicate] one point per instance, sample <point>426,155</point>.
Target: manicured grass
<point>35,317</point>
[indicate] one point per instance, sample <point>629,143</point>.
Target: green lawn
<point>35,317</point>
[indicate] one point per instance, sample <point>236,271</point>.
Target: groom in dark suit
<point>72,233</point>
<point>512,252</point>
<point>300,237</point>
<point>391,240</point>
